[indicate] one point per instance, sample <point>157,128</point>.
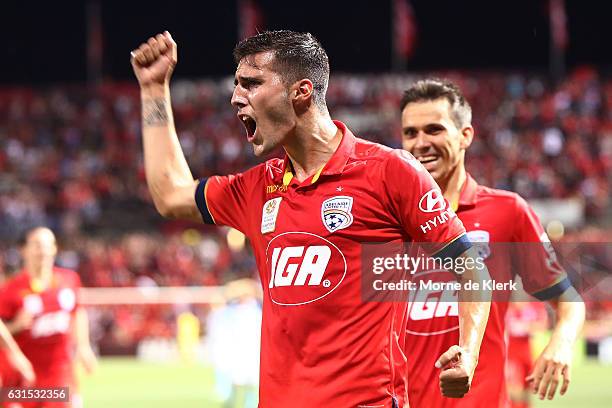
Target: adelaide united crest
<point>336,213</point>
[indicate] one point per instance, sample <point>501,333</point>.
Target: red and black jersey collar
<point>35,285</point>
<point>336,163</point>
<point>467,197</point>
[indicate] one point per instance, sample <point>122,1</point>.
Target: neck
<point>451,186</point>
<point>315,140</point>
<point>42,273</point>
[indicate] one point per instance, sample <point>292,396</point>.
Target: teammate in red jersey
<point>437,130</point>
<point>306,216</point>
<point>522,320</point>
<point>40,308</point>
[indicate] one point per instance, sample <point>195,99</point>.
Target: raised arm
<point>168,176</point>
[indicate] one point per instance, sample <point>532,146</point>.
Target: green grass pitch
<point>129,383</point>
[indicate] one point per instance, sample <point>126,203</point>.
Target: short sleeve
<point>542,275</point>
<point>423,212</point>
<point>223,200</point>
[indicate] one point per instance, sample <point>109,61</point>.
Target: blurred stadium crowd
<point>71,158</point>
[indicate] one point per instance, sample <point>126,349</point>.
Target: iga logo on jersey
<point>33,304</point>
<point>431,310</point>
<point>336,213</point>
<point>52,323</point>
<point>303,268</point>
<point>432,201</point>
<point>66,299</point>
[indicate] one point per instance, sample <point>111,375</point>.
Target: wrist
<point>559,341</point>
<point>154,90</point>
<point>469,354</point>
<point>562,333</point>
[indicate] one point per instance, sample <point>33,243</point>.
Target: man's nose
<point>421,141</point>
<point>238,99</point>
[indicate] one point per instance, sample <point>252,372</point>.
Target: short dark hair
<point>297,56</point>
<point>23,237</point>
<point>431,89</point>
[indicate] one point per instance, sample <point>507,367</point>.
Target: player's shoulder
<point>390,157</point>
<point>508,199</point>
<point>366,149</point>
<point>18,279</point>
<point>272,167</point>
<point>256,174</point>
<point>67,275</point>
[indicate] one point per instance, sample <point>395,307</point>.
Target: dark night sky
<point>45,42</point>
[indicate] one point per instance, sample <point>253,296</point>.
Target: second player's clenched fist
<point>457,372</point>
<point>154,60</point>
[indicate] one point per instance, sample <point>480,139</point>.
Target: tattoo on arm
<point>154,112</point>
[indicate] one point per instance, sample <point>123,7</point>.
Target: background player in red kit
<point>437,130</point>
<point>522,320</point>
<point>40,307</point>
<point>306,216</point>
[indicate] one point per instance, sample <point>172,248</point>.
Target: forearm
<point>459,362</point>
<point>570,314</point>
<point>473,317</point>
<point>7,341</point>
<point>84,353</point>
<point>81,331</point>
<point>474,306</point>
<point>168,176</point>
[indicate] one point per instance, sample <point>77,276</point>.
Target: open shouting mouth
<point>250,125</point>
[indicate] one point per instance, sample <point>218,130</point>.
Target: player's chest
<point>48,301</point>
<point>308,241</point>
<point>331,210</point>
<point>487,224</point>
<point>491,232</point>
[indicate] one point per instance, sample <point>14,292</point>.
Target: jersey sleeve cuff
<point>454,248</point>
<point>553,291</point>
<point>200,197</point>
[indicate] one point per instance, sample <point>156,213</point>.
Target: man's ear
<point>467,135</point>
<point>303,91</point>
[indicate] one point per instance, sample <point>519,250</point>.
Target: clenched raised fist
<point>154,61</point>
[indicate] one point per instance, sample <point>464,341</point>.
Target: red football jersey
<point>522,316</point>
<point>48,342</point>
<point>520,320</point>
<point>489,216</point>
<point>322,346</point>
